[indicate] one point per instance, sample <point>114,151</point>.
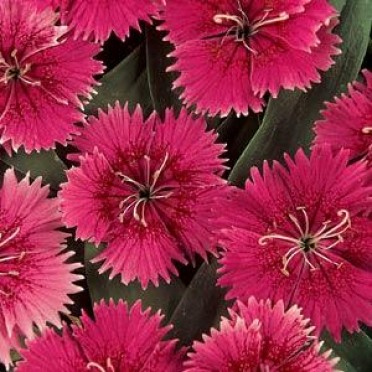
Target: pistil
<point>109,367</point>
<point>243,28</point>
<point>308,244</point>
<point>144,192</point>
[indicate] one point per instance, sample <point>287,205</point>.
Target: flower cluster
<point>294,246</point>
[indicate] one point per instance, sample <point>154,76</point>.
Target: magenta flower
<point>145,188</point>
<point>260,337</point>
<point>230,53</point>
<point>119,339</point>
<point>299,234</point>
<point>34,279</point>
<point>347,123</point>
<point>96,19</point>
<point>42,76</point>
<point>42,4</point>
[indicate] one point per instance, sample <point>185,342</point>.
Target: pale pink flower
<point>43,75</point>
<point>230,53</point>
<point>261,337</point>
<point>119,339</point>
<point>299,234</point>
<point>35,281</point>
<point>147,188</point>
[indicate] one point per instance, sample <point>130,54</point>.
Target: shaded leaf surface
<point>165,297</point>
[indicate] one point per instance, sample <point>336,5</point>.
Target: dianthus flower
<point>299,234</point>
<point>230,53</point>
<point>118,339</point>
<point>42,75</point>
<point>145,188</point>
<point>347,123</point>
<point>260,337</point>
<point>96,19</point>
<point>34,278</point>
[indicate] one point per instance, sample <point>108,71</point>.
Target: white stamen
<point>10,237</point>
<point>219,18</point>
<point>91,365</point>
<point>243,28</point>
<point>337,230</point>
<point>159,171</point>
<point>109,366</point>
<point>311,244</point>
<point>139,202</point>
<point>263,22</point>
<point>367,130</point>
<point>263,239</point>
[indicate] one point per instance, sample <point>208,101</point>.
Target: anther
<point>367,130</point>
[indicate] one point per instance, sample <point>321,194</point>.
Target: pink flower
<point>119,339</point>
<point>96,19</point>
<point>145,188</point>
<point>42,76</point>
<point>34,279</point>
<point>42,4</point>
<point>230,53</point>
<point>347,123</point>
<point>299,235</point>
<point>260,337</point>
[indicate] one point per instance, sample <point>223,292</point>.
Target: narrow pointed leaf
<point>127,82</point>
<point>165,296</point>
<point>44,163</point>
<point>160,81</point>
<point>355,349</point>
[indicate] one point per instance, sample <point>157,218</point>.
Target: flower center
<point>18,70</point>
<point>312,246</point>
<point>15,70</point>
<point>144,192</point>
<point>241,28</point>
<point>108,368</point>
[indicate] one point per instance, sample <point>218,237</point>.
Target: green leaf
<point>236,133</point>
<point>160,81</point>
<point>165,296</point>
<point>200,307</point>
<point>288,121</point>
<point>355,350</point>
<point>43,163</point>
<point>338,4</point>
<point>127,82</point>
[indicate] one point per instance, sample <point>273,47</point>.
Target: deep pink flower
<point>260,337</point>
<point>347,123</point>
<point>96,19</point>
<point>299,235</point>
<point>145,188</point>
<point>42,4</point>
<point>119,339</point>
<point>34,279</point>
<point>231,52</point>
<point>42,76</point>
